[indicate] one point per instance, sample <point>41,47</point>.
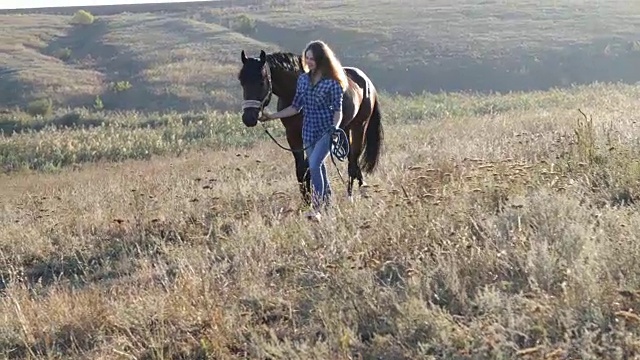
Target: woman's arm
<point>286,112</point>
<point>337,118</point>
<point>296,104</point>
<point>336,102</point>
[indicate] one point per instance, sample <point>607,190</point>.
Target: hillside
<point>497,226</point>
<point>185,56</point>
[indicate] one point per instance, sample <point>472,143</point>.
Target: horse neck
<point>284,83</point>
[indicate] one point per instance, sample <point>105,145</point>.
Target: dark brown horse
<point>277,74</point>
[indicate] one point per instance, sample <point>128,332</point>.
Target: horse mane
<point>286,61</point>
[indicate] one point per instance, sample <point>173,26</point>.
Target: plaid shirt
<point>319,103</point>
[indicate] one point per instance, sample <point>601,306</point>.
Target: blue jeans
<point>320,186</point>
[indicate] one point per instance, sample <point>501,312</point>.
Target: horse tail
<point>374,137</point>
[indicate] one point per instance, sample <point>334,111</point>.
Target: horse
<point>277,74</point>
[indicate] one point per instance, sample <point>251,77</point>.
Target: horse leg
<point>371,137</point>
<point>356,132</point>
<point>302,175</point>
<point>293,129</point>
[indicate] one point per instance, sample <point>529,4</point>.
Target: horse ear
<point>263,56</point>
<point>244,57</point>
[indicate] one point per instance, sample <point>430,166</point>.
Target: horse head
<point>255,79</point>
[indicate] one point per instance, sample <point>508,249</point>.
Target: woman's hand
<point>265,116</point>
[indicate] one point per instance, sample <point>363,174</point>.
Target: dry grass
<point>412,33</point>
<point>171,62</point>
<point>499,227</point>
<point>188,60</point>
<point>23,44</point>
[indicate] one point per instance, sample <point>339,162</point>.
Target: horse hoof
<point>350,198</point>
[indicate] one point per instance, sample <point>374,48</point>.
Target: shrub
<point>243,24</point>
<point>40,107</point>
<point>63,54</point>
<point>120,86</point>
<point>82,17</point>
<point>98,104</point>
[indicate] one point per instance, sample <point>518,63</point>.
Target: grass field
<point>498,226</point>
<point>157,226</point>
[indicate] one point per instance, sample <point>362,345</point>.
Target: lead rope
<point>339,147</point>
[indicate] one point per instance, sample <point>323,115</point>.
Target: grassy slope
<point>23,43</point>
<point>479,45</point>
<point>496,226</point>
<point>188,59</point>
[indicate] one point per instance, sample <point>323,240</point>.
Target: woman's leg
<point>326,194</point>
<point>318,171</point>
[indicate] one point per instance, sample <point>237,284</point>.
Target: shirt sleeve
<point>301,87</point>
<point>336,92</point>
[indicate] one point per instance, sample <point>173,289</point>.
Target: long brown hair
<point>326,62</point>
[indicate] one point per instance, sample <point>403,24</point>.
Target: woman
<point>319,92</point>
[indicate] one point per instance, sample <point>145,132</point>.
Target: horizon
<point>36,4</point>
